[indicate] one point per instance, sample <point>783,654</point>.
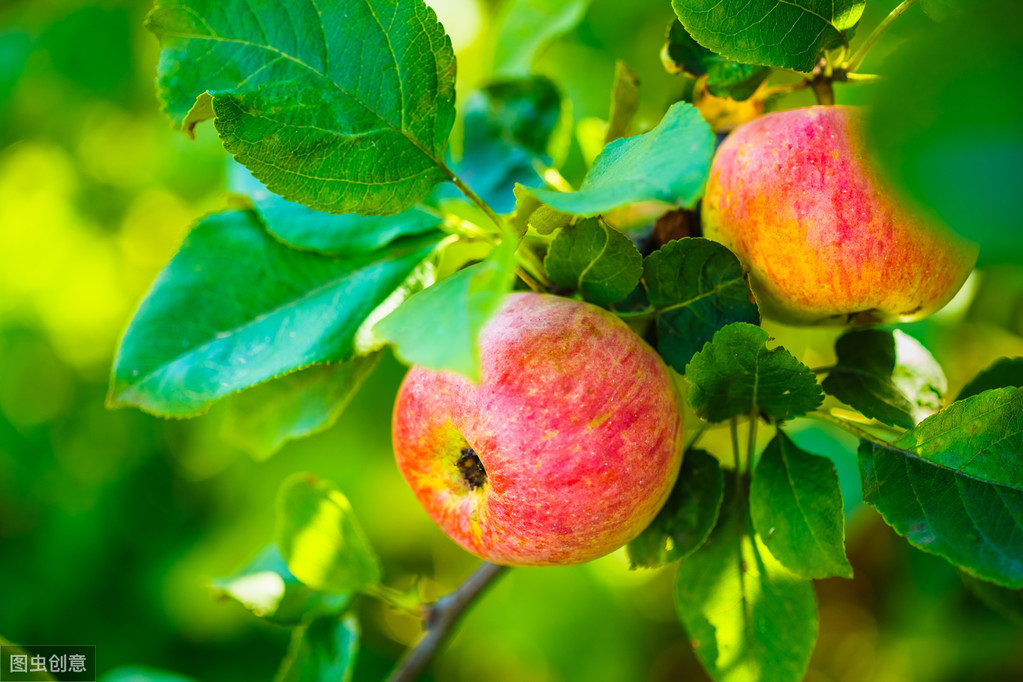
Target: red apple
<point>794,195</point>
<point>564,452</point>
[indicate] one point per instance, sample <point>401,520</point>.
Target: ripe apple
<point>794,195</point>
<point>564,452</point>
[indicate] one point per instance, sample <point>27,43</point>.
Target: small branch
<point>751,445</point>
<point>440,618</point>
<point>475,199</point>
<point>856,59</point>
<point>851,428</point>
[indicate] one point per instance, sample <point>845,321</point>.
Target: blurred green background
<point>112,524</point>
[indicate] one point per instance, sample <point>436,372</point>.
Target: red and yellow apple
<point>565,450</point>
<point>824,239</point>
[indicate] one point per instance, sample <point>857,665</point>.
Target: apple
<point>565,450</point>
<point>824,239</point>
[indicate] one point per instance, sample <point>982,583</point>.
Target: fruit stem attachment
<point>440,618</point>
<point>854,61</point>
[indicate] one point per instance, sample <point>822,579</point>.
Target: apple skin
<point>822,237</point>
<point>576,422</point>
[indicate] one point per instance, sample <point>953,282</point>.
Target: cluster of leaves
<point>346,237</point>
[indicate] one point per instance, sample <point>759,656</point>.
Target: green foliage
<point>263,418</point>
<point>940,10</point>
<point>746,615</point>
<point>725,78</point>
<point>953,486</point>
<point>324,105</point>
<point>307,228</point>
<point>320,538</point>
<point>1002,373</point>
<point>796,506</point>
<point>736,373</point>
<point>887,376</point>
<point>624,102</point>
<point>324,649</point>
<point>235,308</point>
<point>137,674</point>
<point>696,286</point>
<point>528,27</point>
<point>687,518</point>
<point>670,164</point>
<point>269,590</point>
<point>777,33</point>
<point>927,124</point>
<point>598,261</point>
<point>438,327</point>
<point>1008,603</point>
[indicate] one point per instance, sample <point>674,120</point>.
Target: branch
<point>856,59</point>
<point>440,618</point>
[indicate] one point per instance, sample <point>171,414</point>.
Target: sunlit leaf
<point>341,106</point>
<point>670,164</point>
<point>697,287</point>
<point>320,538</point>
<point>779,33</point>
<point>953,486</point>
<point>624,102</point>
<point>736,373</point>
<point>796,505</point>
<point>235,308</point>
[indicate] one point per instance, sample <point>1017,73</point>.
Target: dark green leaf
<point>528,27</point>
<point>887,376</point>
<point>1009,603</point>
<point>596,260</point>
<point>953,486</point>
<point>438,327</point>
<point>235,308</point>
<point>509,126</point>
<point>344,106</point>
<point>948,127</point>
<point>1004,372</point>
<point>748,618</point>
<point>687,518</point>
<point>796,505</point>
<point>322,651</point>
<point>725,78</point>
<point>735,374</point>
<point>670,164</point>
<point>780,33</point>
<point>697,286</point>
<point>320,538</point>
<point>268,589</point>
<point>624,102</point>
<point>345,234</point>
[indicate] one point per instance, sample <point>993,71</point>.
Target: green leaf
<point>670,164</point>
<point>697,287</point>
<point>531,212</point>
<point>748,618</point>
<point>262,419</point>
<point>725,78</point>
<point>528,27</point>
<point>624,102</point>
<point>949,131</point>
<point>596,260</point>
<point>140,674</point>
<point>1002,373</point>
<point>235,308</point>
<point>269,590</point>
<point>324,650</point>
<point>796,505</point>
<point>940,10</point>
<point>735,374</point>
<point>888,376</point>
<point>509,127</point>
<point>953,486</point>
<point>342,106</point>
<point>1008,603</point>
<point>438,327</point>
<point>320,538</point>
<point>344,234</point>
<point>779,33</point>
<point>687,518</point>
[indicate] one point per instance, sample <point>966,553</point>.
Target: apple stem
<point>823,90</point>
<point>440,618</point>
<point>856,59</point>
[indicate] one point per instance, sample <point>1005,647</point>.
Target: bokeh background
<point>113,523</point>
